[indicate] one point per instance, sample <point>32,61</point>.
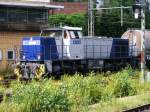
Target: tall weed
<point>123,86</point>
<point>73,93</point>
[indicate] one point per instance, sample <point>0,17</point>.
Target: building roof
<point>41,5</point>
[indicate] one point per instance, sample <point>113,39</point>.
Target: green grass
<point>117,105</point>
<point>95,92</point>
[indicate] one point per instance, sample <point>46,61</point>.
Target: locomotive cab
<point>70,38</point>
<point>65,32</point>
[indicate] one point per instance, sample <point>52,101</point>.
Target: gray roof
<point>41,5</point>
<point>65,28</point>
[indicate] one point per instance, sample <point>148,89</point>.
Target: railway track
<point>6,81</point>
<point>1,97</point>
<point>143,108</point>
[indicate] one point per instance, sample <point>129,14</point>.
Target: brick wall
<point>70,7</point>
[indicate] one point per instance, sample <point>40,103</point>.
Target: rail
<point>142,108</point>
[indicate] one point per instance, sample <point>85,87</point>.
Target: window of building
<point>17,14</point>
<point>0,54</point>
<point>10,55</point>
<point>3,15</point>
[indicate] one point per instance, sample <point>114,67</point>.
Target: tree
<point>108,22</point>
<point>75,20</point>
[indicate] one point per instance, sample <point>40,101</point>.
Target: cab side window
<point>76,35</point>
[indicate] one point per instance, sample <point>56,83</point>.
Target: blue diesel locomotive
<point>64,49</point>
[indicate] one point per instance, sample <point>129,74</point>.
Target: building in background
<point>38,0</point>
<point>70,7</point>
<point>17,20</point>
<point>46,1</point>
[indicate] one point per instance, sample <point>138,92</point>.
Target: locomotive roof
<point>65,28</point>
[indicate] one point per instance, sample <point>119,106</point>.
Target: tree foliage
<point>75,20</point>
<point>108,22</point>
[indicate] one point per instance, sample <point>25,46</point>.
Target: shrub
<point>36,97</point>
<point>83,90</point>
<point>123,86</point>
<point>72,93</point>
<point>53,101</point>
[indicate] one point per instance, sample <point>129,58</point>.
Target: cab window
<point>75,34</point>
<point>72,34</point>
<point>80,34</point>
<point>52,33</point>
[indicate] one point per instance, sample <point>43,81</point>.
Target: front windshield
<point>52,33</point>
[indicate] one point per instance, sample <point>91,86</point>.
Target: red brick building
<point>70,7</point>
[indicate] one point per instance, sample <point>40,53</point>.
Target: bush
<point>123,86</point>
<point>72,93</point>
<point>36,97</point>
<point>83,90</point>
<point>53,101</point>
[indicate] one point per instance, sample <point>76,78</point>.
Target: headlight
<point>24,57</point>
<point>39,57</point>
<point>148,57</point>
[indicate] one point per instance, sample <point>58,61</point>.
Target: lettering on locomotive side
<point>76,41</point>
<point>31,42</point>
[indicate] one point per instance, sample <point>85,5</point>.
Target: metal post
<point>112,8</point>
<point>90,18</point>
<point>121,15</point>
<point>143,45</point>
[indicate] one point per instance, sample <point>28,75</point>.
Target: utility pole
<point>139,13</point>
<point>143,43</point>
<point>121,15</point>
<point>91,15</point>
<point>90,18</point>
<point>112,8</point>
